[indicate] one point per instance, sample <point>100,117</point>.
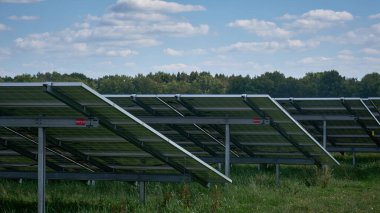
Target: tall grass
<point>302,189</point>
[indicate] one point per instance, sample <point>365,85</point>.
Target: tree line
<point>317,84</point>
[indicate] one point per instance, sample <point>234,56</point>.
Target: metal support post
<point>142,191</point>
<point>277,173</point>
<point>220,166</point>
<point>324,133</point>
<point>353,159</point>
<point>41,170</point>
<point>227,152</point>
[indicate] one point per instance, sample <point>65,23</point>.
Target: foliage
<point>276,84</point>
<point>302,189</point>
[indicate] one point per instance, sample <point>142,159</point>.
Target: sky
<point>233,37</point>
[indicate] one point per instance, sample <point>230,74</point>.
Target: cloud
<point>154,6</point>
<point>175,67</point>
<point>3,27</point>
<point>315,20</point>
<point>370,51</point>
<point>20,1</point>
<point>115,34</point>
<point>374,16</point>
<point>4,53</point>
<point>23,18</point>
<point>260,28</point>
<point>268,46</point>
<point>173,52</point>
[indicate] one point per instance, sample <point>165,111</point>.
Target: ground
<point>302,189</point>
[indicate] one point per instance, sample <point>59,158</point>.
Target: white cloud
<point>115,33</point>
<point>287,16</point>
<point>374,16</point>
<point>3,27</point>
<point>176,67</point>
<point>23,18</point>
<point>173,52</point>
<point>154,6</point>
<point>20,1</point>
<point>268,46</point>
<point>370,51</point>
<point>260,28</point>
<point>313,60</point>
<point>115,53</point>
<point>315,20</point>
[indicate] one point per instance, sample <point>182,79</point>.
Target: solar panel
<point>121,144</point>
<point>350,125</point>
<point>260,130</point>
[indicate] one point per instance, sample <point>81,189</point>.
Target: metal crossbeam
<point>360,122</point>
<point>249,160</point>
<point>28,154</point>
<point>311,122</point>
<point>277,127</point>
<point>47,122</point>
<point>201,120</point>
<point>215,127</point>
<point>354,149</point>
<point>100,176</point>
<point>79,154</point>
<point>178,129</point>
<point>122,133</point>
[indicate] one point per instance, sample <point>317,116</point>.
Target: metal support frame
<point>79,154</point>
<point>249,160</point>
<point>176,128</point>
<point>215,127</point>
<point>374,149</point>
<point>312,121</point>
<point>121,132</point>
<point>361,123</point>
<point>179,178</point>
<point>47,122</point>
<point>277,173</point>
<point>353,159</point>
<point>11,145</point>
<point>227,164</point>
<point>277,127</point>
<point>142,191</point>
<point>324,134</point>
<point>201,120</point>
<point>41,170</point>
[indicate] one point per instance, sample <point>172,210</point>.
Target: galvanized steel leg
<point>277,173</point>
<point>353,159</point>
<point>324,133</point>
<point>227,152</point>
<point>142,191</point>
<point>41,170</point>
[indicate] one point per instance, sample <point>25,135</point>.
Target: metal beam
<point>41,170</point>
<point>227,164</point>
<point>312,123</point>
<point>100,176</point>
<point>123,133</point>
<point>360,122</point>
<point>277,127</point>
<point>249,160</point>
<point>178,129</point>
<point>215,127</point>
<point>47,122</point>
<point>79,154</point>
<point>201,120</point>
<point>354,149</point>
<point>324,117</point>
<point>277,173</point>
<point>28,154</point>
<point>142,191</point>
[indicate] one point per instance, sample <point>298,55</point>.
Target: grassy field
<point>302,189</point>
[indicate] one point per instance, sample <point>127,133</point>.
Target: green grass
<point>302,189</point>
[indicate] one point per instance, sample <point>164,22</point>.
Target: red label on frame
<point>257,121</point>
<point>80,122</point>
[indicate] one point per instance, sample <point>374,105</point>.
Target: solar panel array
<point>271,136</point>
<point>350,124</point>
<point>121,143</point>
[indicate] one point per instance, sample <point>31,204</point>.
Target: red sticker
<point>80,122</point>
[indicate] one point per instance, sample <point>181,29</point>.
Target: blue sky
<point>128,37</point>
